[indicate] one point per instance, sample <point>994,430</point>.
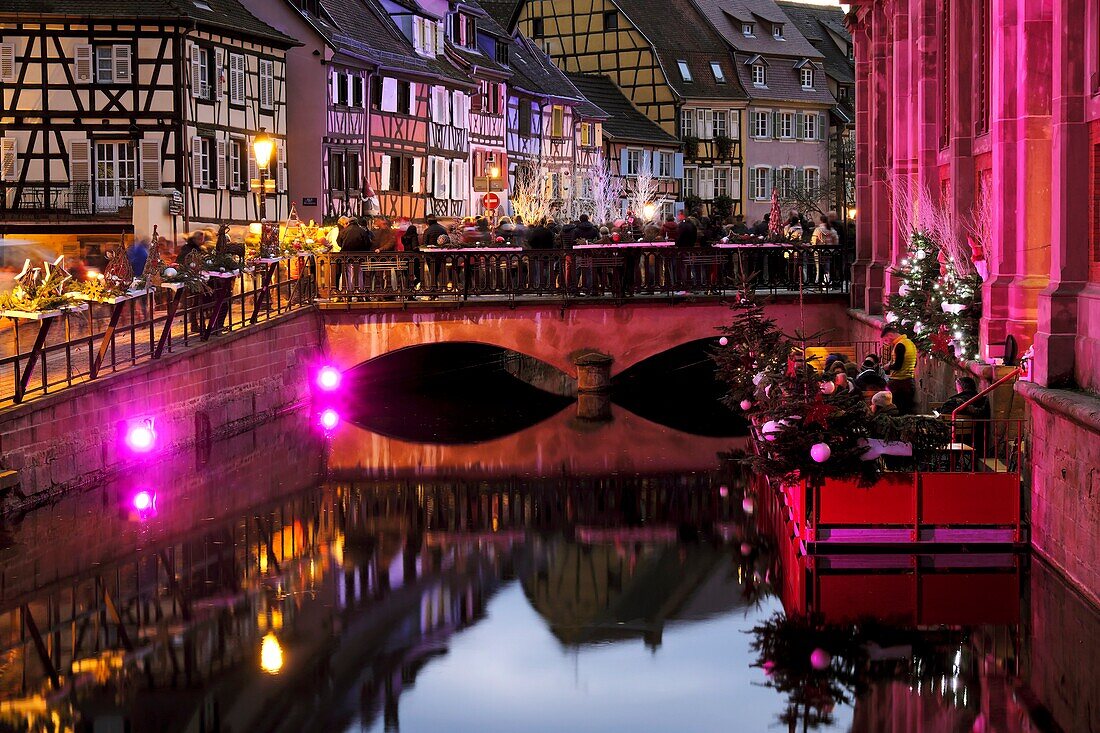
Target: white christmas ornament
<point>828,387</point>
<point>748,505</point>
<point>170,272</point>
<point>758,378</point>
<point>723,341</point>
<point>953,308</point>
<point>820,452</point>
<point>891,317</point>
<point>769,429</point>
<point>921,254</point>
<point>903,289</point>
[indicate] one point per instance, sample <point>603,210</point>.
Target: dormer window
<point>685,72</point>
<point>807,75</point>
<point>777,31</point>
<point>748,30</point>
<point>463,31</point>
<point>759,75</point>
<point>502,53</point>
<point>842,93</point>
<point>719,75</point>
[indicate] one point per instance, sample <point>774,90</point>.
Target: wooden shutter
<point>820,126</point>
<point>9,159</point>
<point>598,126</point>
<point>150,164</point>
<point>412,98</point>
<point>219,73</point>
<point>735,184</point>
<point>196,161</point>
<point>384,174</point>
<point>734,131</point>
<point>678,166</point>
<point>445,106</point>
<point>280,170</point>
<point>196,71</point>
<point>122,67</point>
<point>253,167</point>
<point>221,170</point>
<point>7,63</point>
<point>82,64</point>
<point>80,172</point>
<point>417,168</point>
<point>706,183</point>
<point>389,95</point>
<point>708,123</point>
<point>267,83</point>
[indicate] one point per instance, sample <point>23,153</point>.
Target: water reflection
<point>294,585</point>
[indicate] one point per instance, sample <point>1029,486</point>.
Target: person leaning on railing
<point>977,413</point>
<point>902,368</point>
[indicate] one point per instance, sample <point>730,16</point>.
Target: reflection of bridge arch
<point>551,332</point>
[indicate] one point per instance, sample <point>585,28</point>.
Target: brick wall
<point>237,380</point>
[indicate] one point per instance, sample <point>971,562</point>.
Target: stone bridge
<point>557,335</point>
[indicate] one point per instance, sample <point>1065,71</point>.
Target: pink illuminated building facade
<point>1000,97</point>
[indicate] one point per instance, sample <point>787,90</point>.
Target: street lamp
<point>262,147</point>
<point>852,213</point>
<point>649,210</point>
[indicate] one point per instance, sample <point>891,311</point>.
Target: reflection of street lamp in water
<point>271,654</point>
<point>262,147</point>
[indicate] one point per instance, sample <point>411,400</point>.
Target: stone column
<point>901,100</point>
<point>880,152</point>
<point>593,372</point>
<point>861,38</point>
<point>1069,192</point>
<point>1007,79</point>
<point>927,93</point>
<point>1034,152</point>
<point>961,123</point>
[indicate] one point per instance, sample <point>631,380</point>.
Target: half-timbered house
<point>632,142</point>
<point>482,50</point>
<point>666,58</point>
<point>100,100</point>
<point>327,123</point>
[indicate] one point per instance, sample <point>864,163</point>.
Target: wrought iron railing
<point>463,274</point>
<point>41,357</point>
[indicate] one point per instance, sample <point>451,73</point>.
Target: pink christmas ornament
<point>748,505</point>
<point>723,491</point>
<point>820,452</point>
<point>746,405</point>
<point>769,429</point>
<point>746,549</point>
<point>828,387</point>
<point>723,341</point>
<point>820,659</point>
<point>769,668</point>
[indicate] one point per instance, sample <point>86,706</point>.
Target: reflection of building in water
<point>594,593</point>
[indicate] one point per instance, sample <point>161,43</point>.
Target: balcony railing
<point>107,338</point>
<point>581,273</point>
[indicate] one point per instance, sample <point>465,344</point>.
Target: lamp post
<point>262,147</point>
<point>649,210</point>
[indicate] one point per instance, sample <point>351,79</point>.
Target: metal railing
<point>577,273</point>
<point>41,357</point>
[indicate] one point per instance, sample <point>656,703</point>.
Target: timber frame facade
<point>661,69</point>
<point>94,109</point>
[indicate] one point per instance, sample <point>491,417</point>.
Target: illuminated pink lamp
<point>141,437</point>
<point>329,378</point>
<point>330,419</point>
<point>143,501</point>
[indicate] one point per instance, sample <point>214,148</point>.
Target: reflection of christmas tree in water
<point>820,667</point>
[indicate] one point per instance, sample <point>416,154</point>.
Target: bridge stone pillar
<point>593,372</point>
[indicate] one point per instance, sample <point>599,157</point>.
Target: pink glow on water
<point>142,501</point>
<point>330,419</point>
<point>141,438</point>
<point>329,378</point>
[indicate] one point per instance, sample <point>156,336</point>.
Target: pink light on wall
<point>330,419</point>
<point>143,501</point>
<point>329,378</point>
<point>141,437</point>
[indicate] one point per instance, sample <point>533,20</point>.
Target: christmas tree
<point>749,345</point>
<point>915,309</point>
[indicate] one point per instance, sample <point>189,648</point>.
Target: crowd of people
<point>380,234</point>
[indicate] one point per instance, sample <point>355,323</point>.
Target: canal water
<point>431,561</point>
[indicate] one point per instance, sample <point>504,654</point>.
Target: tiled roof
<point>784,83</point>
<point>678,32</point>
<point>728,15</point>
<point>223,14</point>
<point>815,22</point>
<point>534,72</point>
<point>625,121</point>
<point>501,11</point>
<point>363,29</point>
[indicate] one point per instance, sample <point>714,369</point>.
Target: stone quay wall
<point>226,385</point>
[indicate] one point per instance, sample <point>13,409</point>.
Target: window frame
<point>685,71</point>
<point>803,72</point>
<point>687,122</point>
<point>720,117</point>
<point>665,164</point>
<point>748,30</point>
<point>689,184</point>
<point>757,181</point>
<point>786,125</point>
<point>611,14</point>
<point>783,178</point>
<point>237,152</point>
<point>724,179</point>
<point>759,69</point>
<point>777,32</point>
<point>809,120</point>
<point>633,162</point>
<point>757,116</point>
<point>806,177</point>
<point>207,159</point>
<point>719,74</point>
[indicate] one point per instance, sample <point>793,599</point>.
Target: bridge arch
<point>628,333</point>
